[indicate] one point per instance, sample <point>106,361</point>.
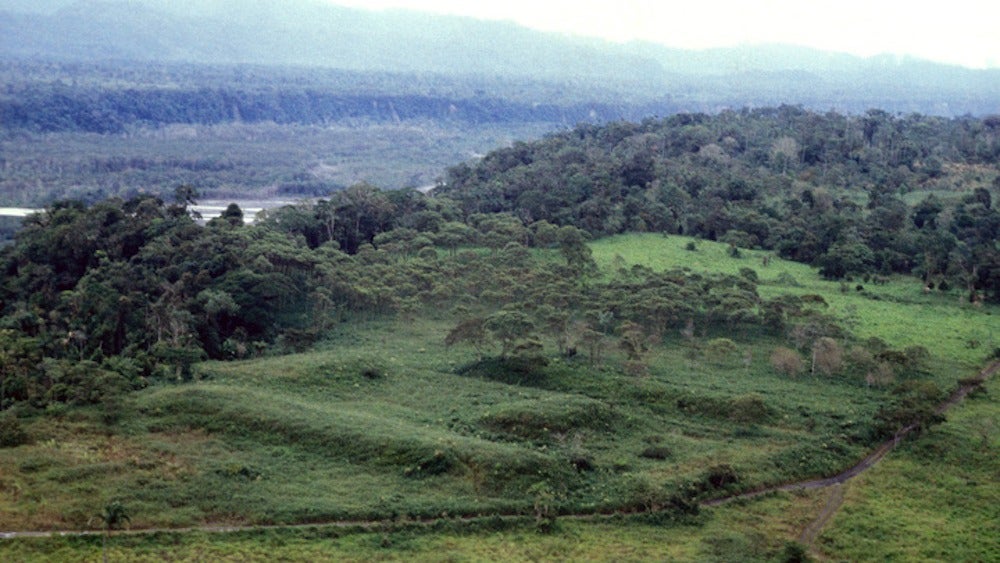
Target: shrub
<point>12,434</point>
<point>786,279</point>
<point>435,464</point>
<point>749,274</point>
<point>786,361</point>
<point>794,552</point>
<point>721,350</point>
<point>828,357</point>
<point>719,477</point>
<point>914,403</point>
<point>748,408</point>
<point>880,375</point>
<point>514,370</point>
<point>656,452</point>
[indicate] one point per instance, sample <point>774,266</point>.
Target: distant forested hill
<point>863,195</point>
<point>308,33</point>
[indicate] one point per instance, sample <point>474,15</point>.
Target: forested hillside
<point>240,32</point>
<point>861,198</point>
<point>856,195</point>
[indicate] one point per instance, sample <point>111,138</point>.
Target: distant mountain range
<point>316,34</point>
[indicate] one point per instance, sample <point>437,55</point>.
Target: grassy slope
<point>935,498</point>
<point>899,312</point>
<point>311,437</point>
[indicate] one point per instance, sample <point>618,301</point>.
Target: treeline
<point>60,108</point>
<point>825,189</point>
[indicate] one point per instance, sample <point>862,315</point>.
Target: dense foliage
<point>826,189</point>
<point>99,299</point>
<point>56,108</point>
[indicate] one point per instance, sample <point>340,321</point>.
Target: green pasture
<point>898,310</point>
<point>383,421</point>
<point>935,498</point>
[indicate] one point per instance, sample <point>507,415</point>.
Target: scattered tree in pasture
<point>113,516</point>
<point>508,327</point>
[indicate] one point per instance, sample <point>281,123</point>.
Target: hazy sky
<point>963,32</point>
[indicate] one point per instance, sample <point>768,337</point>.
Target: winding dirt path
<point>807,537</point>
<point>876,455</point>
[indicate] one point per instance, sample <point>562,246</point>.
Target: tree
<point>233,215</point>
<point>721,350</point>
<point>453,234</point>
<point>509,327</point>
<point>635,343</point>
<point>846,258</point>
<point>471,331</point>
<point>573,247</point>
<point>184,195</point>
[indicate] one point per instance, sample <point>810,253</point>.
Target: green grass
<point>899,312</point>
<point>935,498</point>
<point>380,421</point>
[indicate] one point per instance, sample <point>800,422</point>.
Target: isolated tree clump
<point>470,331</point>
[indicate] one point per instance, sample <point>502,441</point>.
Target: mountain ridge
<point>313,34</point>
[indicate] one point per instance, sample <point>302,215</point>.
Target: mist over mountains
<point>310,33</point>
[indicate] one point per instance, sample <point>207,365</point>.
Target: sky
<point>965,32</point>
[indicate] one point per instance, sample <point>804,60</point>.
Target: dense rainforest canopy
<point>97,299</point>
<point>871,194</point>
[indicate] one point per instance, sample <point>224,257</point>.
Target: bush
<point>718,477</point>
<point>787,361</point>
<point>794,552</point>
<point>438,463</point>
<point>656,452</point>
<point>721,351</point>
<point>514,370</point>
<point>748,409</point>
<point>12,434</point>
<point>370,368</point>
<point>828,357</point>
<point>749,274</point>
<point>786,279</point>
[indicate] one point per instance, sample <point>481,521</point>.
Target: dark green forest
<point>855,195</point>
<point>95,98</point>
<point>99,299</point>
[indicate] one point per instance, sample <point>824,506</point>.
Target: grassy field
<point>380,421</point>
<point>899,312</point>
<point>934,499</point>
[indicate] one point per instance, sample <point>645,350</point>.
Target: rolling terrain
<point>527,297</point>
